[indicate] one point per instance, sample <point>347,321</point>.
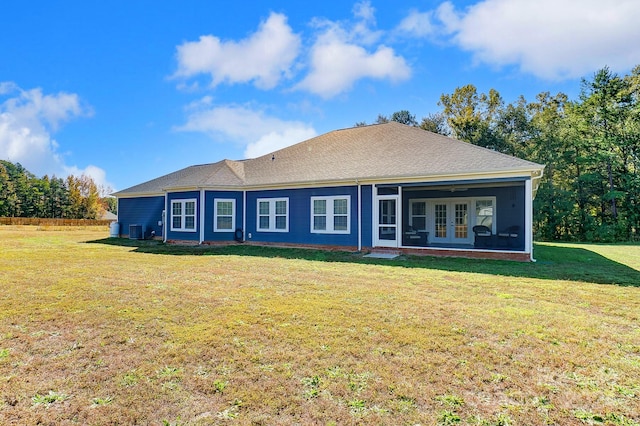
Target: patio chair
<point>483,236</point>
<point>509,236</point>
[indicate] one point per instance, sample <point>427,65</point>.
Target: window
<point>183,215</point>
<point>485,212</point>
<point>224,215</point>
<point>418,215</point>
<point>273,214</point>
<point>330,215</point>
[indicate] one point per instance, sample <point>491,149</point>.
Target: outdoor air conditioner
<point>135,232</point>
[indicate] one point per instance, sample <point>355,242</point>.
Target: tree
<point>404,117</point>
<point>110,204</point>
<point>555,201</point>
<point>382,119</point>
<point>8,197</point>
<point>436,123</point>
<point>472,116</point>
<point>605,114</point>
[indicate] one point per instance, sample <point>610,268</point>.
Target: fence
<point>53,222</point>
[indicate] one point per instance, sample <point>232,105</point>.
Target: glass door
<point>451,221</point>
<point>387,223</point>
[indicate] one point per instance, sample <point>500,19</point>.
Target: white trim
<point>244,215</point>
<point>494,217</point>
<point>411,216</point>
<point>399,219</point>
<point>450,219</point>
<point>202,206</point>
<point>330,215</point>
<point>215,214</point>
<point>528,218</point>
<point>183,215</point>
<point>359,217</point>
<point>377,242</point>
<point>272,214</point>
<point>522,174</point>
<point>165,218</point>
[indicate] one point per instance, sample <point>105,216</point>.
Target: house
<point>107,215</point>
<point>378,187</point>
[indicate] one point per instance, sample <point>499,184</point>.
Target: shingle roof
<point>381,151</point>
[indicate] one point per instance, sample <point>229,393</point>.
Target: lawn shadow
<point>553,262</point>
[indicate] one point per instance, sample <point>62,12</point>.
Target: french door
<point>450,222</point>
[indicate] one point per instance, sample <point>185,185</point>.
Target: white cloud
<point>552,39</point>
<point>28,120</point>
<point>258,132</point>
<point>417,24</point>
<point>263,58</point>
<point>279,139</point>
<point>338,57</point>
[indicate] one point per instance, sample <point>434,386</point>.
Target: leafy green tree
<point>382,119</point>
<point>8,197</point>
<point>472,116</point>
<point>436,123</point>
<point>110,204</point>
<point>404,117</point>
<point>555,201</point>
<point>91,200</point>
<point>74,196</point>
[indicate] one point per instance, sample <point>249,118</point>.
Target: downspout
<point>244,215</point>
<point>201,216</point>
<point>359,216</point>
<point>166,217</point>
<point>118,216</point>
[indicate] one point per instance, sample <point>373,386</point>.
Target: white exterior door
<point>450,222</point>
<point>387,224</point>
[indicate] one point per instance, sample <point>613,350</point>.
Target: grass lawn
<point>97,331</point>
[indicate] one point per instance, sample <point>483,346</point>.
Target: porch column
<point>244,216</point>
<point>201,216</point>
<point>165,217</point>
<point>528,218</point>
<point>359,215</point>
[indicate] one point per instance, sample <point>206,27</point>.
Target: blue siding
<point>209,196</point>
<point>300,217</point>
<point>367,216</point>
<point>145,211</point>
<point>179,235</point>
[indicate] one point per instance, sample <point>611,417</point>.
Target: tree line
<point>22,194</point>
<point>590,146</point>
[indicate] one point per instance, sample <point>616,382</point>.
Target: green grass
<point>111,331</point>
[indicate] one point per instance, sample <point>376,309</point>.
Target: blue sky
<point>126,91</point>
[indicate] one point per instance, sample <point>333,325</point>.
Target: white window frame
<point>272,214</point>
<point>216,215</point>
<point>494,219</point>
<point>426,217</point>
<point>184,215</point>
<point>330,215</point>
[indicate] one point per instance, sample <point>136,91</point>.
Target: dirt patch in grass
<point>142,333</point>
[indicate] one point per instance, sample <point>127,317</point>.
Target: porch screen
<point>484,213</point>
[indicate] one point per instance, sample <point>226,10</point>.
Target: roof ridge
<point>236,167</point>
